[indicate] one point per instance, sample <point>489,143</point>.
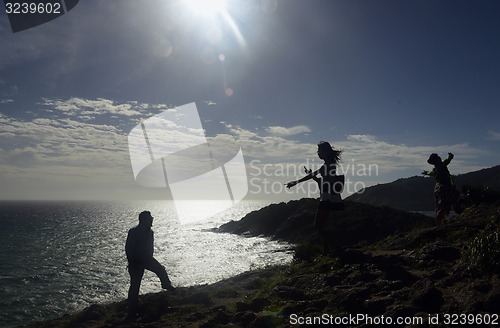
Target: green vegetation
<point>483,252</point>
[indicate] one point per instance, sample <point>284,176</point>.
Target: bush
<point>483,252</point>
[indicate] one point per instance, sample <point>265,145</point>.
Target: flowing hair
<point>332,154</point>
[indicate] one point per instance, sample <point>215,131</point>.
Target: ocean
<point>60,257</point>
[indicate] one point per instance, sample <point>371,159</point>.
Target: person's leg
<point>439,217</point>
<point>320,223</point>
<point>136,272</point>
<point>154,266</point>
<point>443,206</point>
<point>445,211</point>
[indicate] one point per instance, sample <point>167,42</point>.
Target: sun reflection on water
<point>62,257</point>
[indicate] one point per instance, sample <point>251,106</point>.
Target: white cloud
<point>286,132</point>
<point>44,144</point>
<point>86,108</point>
<point>366,160</point>
<point>394,158</point>
<point>69,151</point>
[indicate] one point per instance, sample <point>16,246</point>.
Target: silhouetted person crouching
<point>139,250</point>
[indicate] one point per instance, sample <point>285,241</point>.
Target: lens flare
<point>208,55</point>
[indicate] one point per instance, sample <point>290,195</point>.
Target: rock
<point>242,307</point>
<point>288,292</point>
<point>208,324</point>
<point>256,305</point>
<point>333,279</point>
<point>396,272</point>
<point>482,286</point>
<point>260,303</point>
<point>427,297</point>
<point>401,311</point>
<point>492,300</point>
<point>492,303</point>
<point>198,298</point>
<point>244,318</point>
<point>441,253</point>
<point>350,255</point>
<point>392,285</point>
<point>222,317</point>
<point>196,317</point>
<point>296,307</point>
<point>475,306</point>
<point>93,312</point>
<point>226,293</point>
<point>438,274</point>
<point>352,299</point>
<point>253,284</point>
<point>269,320</point>
<point>378,306</point>
<point>315,306</point>
<point>295,227</point>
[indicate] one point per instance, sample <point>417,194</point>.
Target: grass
<point>483,252</point>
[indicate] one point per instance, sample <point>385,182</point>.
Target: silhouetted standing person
<point>139,250</point>
<point>330,187</point>
<point>445,193</point>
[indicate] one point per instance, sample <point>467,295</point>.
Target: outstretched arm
<point>309,171</point>
<point>448,160</point>
<point>293,183</point>
<point>431,173</point>
<point>311,175</point>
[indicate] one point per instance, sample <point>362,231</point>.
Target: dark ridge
<point>416,193</point>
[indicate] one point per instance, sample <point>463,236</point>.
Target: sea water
<point>60,257</point>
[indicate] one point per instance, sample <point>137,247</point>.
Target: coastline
<point>414,272</point>
<point>61,257</point>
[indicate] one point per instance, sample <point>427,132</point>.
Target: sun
<point>207,7</point>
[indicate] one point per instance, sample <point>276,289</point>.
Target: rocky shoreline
<point>393,264</point>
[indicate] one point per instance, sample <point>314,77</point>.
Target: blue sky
<point>389,82</point>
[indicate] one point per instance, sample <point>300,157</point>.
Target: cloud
<point>19,157</point>
<point>88,108</point>
<point>55,143</point>
<point>286,132</point>
<point>493,135</point>
<point>67,150</point>
<point>395,160</point>
<point>366,160</point>
<point>400,158</point>
<point>6,101</point>
<point>392,161</point>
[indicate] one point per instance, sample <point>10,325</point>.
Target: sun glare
<point>207,7</point>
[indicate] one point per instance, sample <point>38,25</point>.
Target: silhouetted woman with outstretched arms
<point>330,187</point>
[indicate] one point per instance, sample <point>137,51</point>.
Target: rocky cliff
<point>393,266</point>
